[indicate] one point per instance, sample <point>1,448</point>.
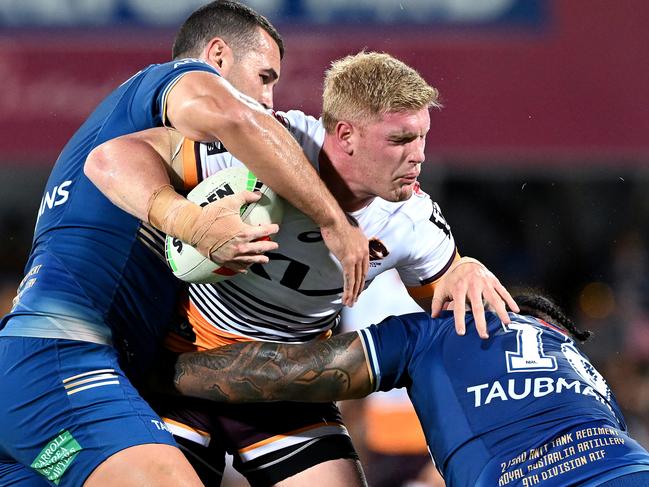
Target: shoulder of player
<point>416,210</point>
<point>186,66</point>
<point>293,116</point>
<point>165,76</point>
<point>297,121</point>
<point>413,328</point>
<point>548,327</point>
<point>308,131</point>
<point>190,64</point>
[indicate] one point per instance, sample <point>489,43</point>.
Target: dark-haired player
<point>97,293</point>
<point>522,408</point>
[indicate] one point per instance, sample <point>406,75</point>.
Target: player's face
<point>389,153</point>
<point>257,71</point>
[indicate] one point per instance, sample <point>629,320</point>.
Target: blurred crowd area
<point>539,159</point>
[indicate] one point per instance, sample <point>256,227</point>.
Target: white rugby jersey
<point>297,295</point>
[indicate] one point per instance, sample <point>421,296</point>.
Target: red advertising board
<point>575,87</point>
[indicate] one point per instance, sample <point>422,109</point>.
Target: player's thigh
<point>151,464</point>
<point>200,440</point>
<point>208,461</point>
<point>271,443</point>
<point>342,472</point>
<point>68,408</point>
<point>385,470</point>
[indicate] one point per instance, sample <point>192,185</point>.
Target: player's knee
<point>150,464</point>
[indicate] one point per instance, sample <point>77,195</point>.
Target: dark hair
<point>236,23</point>
<point>534,304</point>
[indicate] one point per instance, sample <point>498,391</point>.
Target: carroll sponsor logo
<point>56,457</point>
<point>56,197</point>
<point>517,389</point>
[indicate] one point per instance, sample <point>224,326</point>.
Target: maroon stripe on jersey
<point>433,278</point>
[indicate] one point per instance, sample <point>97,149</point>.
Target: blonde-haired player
<point>369,152</point>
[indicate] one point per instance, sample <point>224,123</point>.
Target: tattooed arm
<point>318,371</point>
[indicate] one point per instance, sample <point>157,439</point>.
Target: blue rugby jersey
<point>524,407</point>
<point>95,273</point>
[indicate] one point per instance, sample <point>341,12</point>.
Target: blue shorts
<point>66,407</point>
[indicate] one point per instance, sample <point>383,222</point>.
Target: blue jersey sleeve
<point>147,91</point>
<point>97,272</point>
<point>389,346</point>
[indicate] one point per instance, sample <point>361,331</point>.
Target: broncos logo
<point>378,250</point>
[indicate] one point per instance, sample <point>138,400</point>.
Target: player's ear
<point>346,135</point>
<point>218,54</point>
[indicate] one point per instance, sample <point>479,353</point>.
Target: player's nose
<point>418,154</point>
<point>267,98</point>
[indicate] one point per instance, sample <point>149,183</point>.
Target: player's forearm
<point>277,159</point>
<point>206,108</point>
<point>325,370</point>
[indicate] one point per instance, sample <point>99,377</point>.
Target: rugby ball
<point>189,264</point>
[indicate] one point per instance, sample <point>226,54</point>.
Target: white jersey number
<point>529,356</point>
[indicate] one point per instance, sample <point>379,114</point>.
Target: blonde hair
<point>367,85</point>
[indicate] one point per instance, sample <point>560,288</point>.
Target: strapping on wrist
<point>172,213</point>
<point>229,225</point>
<point>206,228</point>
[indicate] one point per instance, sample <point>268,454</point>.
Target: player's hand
<point>229,241</point>
<point>247,248</point>
<point>350,246</point>
<point>469,281</point>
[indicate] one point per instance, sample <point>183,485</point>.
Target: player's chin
<point>404,192</point>
<point>398,192</point>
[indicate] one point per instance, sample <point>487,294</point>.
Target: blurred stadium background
<point>539,160</point>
